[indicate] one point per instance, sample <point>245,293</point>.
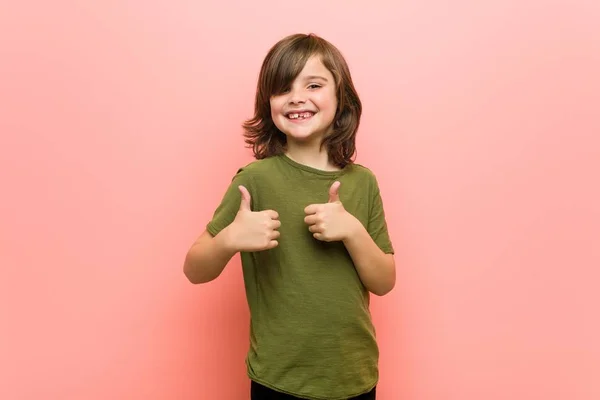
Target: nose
<point>296,97</point>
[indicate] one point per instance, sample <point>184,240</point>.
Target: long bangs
<point>287,61</point>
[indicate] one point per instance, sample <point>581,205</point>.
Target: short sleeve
<point>377,227</point>
<point>227,210</point>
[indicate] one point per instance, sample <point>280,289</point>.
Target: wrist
<point>355,228</point>
<point>227,240</point>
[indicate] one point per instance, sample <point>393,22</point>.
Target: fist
<point>330,222</point>
<point>254,230</point>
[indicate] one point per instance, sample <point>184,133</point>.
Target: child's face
<point>305,112</point>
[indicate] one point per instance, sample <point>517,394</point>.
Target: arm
<point>331,222</point>
<point>249,231</point>
<point>208,256</point>
<point>376,269</point>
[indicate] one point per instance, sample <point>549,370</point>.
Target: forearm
<point>376,269</point>
<point>207,257</point>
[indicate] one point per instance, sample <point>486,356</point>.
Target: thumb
<point>245,203</point>
<point>334,192</point>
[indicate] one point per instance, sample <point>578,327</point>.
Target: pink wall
<point>120,130</point>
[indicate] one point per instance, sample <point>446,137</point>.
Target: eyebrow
<point>312,77</point>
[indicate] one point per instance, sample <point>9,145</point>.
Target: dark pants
<point>260,392</point>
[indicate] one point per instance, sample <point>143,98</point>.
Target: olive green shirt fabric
<point>311,333</point>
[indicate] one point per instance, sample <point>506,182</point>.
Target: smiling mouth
<point>300,116</point>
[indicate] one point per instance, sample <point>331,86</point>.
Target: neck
<point>311,156</point>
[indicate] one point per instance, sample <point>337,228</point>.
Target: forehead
<point>314,67</point>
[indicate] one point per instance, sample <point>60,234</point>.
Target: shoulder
<point>361,169</point>
<point>258,167</point>
<point>365,179</point>
<point>363,174</point>
<point>255,168</point>
<point>252,174</point>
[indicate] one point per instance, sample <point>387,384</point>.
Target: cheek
<point>328,105</point>
<point>273,106</point>
<point>276,108</point>
<point>276,114</point>
<point>328,100</point>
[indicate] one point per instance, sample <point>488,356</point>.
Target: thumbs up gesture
<point>330,222</point>
<point>253,230</point>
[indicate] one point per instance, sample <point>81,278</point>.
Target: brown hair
<point>283,63</point>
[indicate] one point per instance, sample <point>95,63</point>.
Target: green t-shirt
<point>311,333</point>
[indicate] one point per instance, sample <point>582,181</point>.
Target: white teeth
<point>302,115</point>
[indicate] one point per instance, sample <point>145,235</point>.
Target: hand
<point>253,230</point>
<point>330,222</point>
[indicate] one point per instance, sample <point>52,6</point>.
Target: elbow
<point>383,287</point>
<point>190,275</point>
<point>194,273</point>
<point>386,285</point>
<point>192,279</point>
<point>195,277</point>
<point>382,291</point>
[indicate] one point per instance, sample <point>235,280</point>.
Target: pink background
<point>120,129</point>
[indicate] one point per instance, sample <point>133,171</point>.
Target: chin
<point>300,136</point>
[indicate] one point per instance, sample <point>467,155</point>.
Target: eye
<point>314,86</point>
